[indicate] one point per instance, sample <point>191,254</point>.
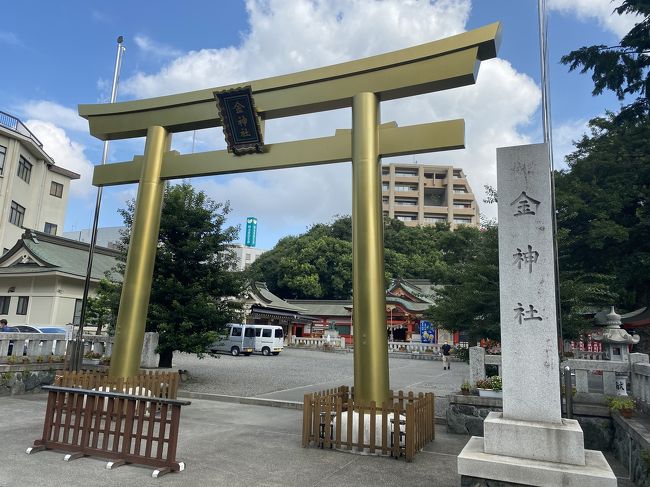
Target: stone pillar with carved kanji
<point>529,443</point>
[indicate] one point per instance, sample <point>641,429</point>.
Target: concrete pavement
<point>229,443</point>
<point>221,444</point>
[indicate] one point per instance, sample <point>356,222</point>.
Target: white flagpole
<point>77,351</point>
<point>548,139</point>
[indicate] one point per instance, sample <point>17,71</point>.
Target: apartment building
<point>33,190</point>
<point>425,195</point>
<point>245,256</point>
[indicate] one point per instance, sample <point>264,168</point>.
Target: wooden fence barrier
<point>406,422</point>
<point>158,384</point>
<point>112,425</point>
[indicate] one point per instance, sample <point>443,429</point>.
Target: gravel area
<point>296,371</point>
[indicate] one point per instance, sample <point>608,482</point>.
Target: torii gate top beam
<point>438,65</point>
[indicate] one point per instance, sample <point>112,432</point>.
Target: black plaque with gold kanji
<point>240,121</point>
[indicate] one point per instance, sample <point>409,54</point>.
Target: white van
<point>269,339</point>
<point>239,339</point>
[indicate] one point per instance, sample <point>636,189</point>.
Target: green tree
<point>469,302</point>
<point>602,208</point>
<point>192,281</point>
<point>318,264</point>
<point>315,265</point>
<point>102,307</point>
<point>624,68</point>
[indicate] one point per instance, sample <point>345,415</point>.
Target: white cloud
<point>10,38</point>
<point>66,153</point>
<point>563,137</point>
<point>56,114</point>
<point>600,10</point>
<point>151,47</point>
<point>496,109</point>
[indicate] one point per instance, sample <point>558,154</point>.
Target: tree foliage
<point>625,68</point>
<point>192,282</point>
<point>602,207</point>
<point>469,300</point>
<point>318,264</point>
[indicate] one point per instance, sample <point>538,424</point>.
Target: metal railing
<point>13,123</point>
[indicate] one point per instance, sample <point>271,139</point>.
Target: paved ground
<point>295,372</point>
<point>237,444</point>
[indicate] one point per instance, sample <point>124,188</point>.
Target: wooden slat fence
<point>160,384</point>
<point>112,425</point>
<point>400,426</point>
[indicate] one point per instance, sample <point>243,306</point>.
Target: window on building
<point>462,205</point>
<point>406,201</point>
<point>24,169</point>
<point>76,315</point>
<point>50,228</point>
<point>435,219</point>
<point>4,304</point>
<point>458,174</point>
<point>405,188</point>
<point>407,173</point>
<point>460,190</point>
<point>248,256</point>
<point>23,302</point>
<point>56,189</point>
<point>463,221</point>
<point>16,214</point>
<point>384,187</point>
<point>384,199</point>
<point>406,218</point>
<point>267,332</point>
<point>3,153</point>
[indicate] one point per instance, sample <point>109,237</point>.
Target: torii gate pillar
<point>369,299</point>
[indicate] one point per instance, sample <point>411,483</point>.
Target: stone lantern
<point>616,342</point>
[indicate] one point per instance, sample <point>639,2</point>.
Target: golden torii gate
<point>362,84</point>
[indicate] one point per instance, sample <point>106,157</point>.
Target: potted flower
<point>490,387</point>
<point>465,387</point>
<point>623,404</point>
<point>92,357</point>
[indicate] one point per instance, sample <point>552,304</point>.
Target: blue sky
<point>60,54</point>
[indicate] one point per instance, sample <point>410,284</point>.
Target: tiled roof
<point>323,307</point>
<point>270,300</point>
<point>50,253</point>
<point>422,289</point>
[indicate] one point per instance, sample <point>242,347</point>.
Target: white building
<point>33,190</point>
<point>245,256</point>
<point>42,279</point>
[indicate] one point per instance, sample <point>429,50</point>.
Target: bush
<point>461,353</point>
<point>495,383</point>
<point>621,402</point>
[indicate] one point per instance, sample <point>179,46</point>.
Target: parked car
<point>239,338</point>
<point>25,329</point>
<point>31,329</point>
<point>51,329</point>
<point>269,339</point>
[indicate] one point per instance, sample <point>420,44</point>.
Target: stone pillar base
<point>548,442</point>
<point>478,468</point>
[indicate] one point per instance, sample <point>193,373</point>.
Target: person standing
<point>446,349</point>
